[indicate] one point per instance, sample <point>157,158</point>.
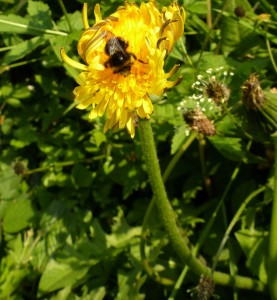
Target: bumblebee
<point>120,60</point>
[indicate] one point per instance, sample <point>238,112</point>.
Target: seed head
<point>197,121</point>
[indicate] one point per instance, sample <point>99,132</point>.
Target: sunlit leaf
<point>18,216</point>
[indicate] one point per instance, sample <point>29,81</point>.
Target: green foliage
<point>71,221</point>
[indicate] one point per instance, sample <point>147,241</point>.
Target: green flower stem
<point>144,233</point>
<point>150,210</point>
<point>62,164</point>
<point>168,218</point>
<point>271,55</point>
<point>65,14</point>
<point>206,179</point>
<point>272,260</point>
<point>164,208</point>
<point>6,68</point>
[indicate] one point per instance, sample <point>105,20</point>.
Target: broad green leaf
<point>126,172</point>
<point>196,7</point>
<point>99,138</point>
<point>18,216</point>
<point>240,192</point>
<point>9,183</point>
<point>233,149</point>
<point>122,233</point>
<point>25,136</point>
<point>95,248</point>
<point>167,112</point>
<point>15,24</point>
<point>58,275</point>
<point>199,25</point>
<point>129,285</point>
<point>53,178</point>
<point>75,22</point>
<point>97,294</point>
<point>21,50</point>
<point>235,36</point>
<point>63,294</point>
<point>255,247</point>
<point>211,60</point>
<point>179,138</point>
<point>81,176</point>
<point>11,277</point>
<point>40,16</point>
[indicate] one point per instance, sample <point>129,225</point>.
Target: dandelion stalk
<point>271,55</point>
<point>168,218</point>
<point>151,209</point>
<point>164,208</point>
<point>272,260</point>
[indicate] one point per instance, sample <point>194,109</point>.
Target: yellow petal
<point>72,62</point>
<point>85,16</point>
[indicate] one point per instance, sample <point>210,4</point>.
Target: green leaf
<point>40,21</point>
<point>199,7</point>
<point>97,294</point>
<point>199,25</point>
<point>99,137</point>
<point>52,179</point>
<point>167,112</point>
<point>9,183</point>
<point>126,172</point>
<point>11,277</point>
<point>122,233</point>
<point>129,284</point>
<point>82,177</point>
<point>95,248</point>
<point>58,275</point>
<point>179,138</point>
<point>233,34</point>
<point>255,247</point>
<point>211,60</point>
<point>75,22</point>
<point>233,149</point>
<point>19,215</point>
<point>40,15</point>
<point>15,24</point>
<point>21,50</point>
<point>25,136</point>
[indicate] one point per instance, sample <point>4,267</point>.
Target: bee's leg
<point>141,61</point>
<point>134,56</point>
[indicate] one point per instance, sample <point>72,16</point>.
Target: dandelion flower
<point>123,58</point>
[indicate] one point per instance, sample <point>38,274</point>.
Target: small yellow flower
<point>124,58</point>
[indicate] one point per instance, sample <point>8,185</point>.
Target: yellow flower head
<point>124,58</point>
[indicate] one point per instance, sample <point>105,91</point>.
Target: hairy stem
<point>151,209</point>
<point>168,218</point>
<point>272,259</point>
